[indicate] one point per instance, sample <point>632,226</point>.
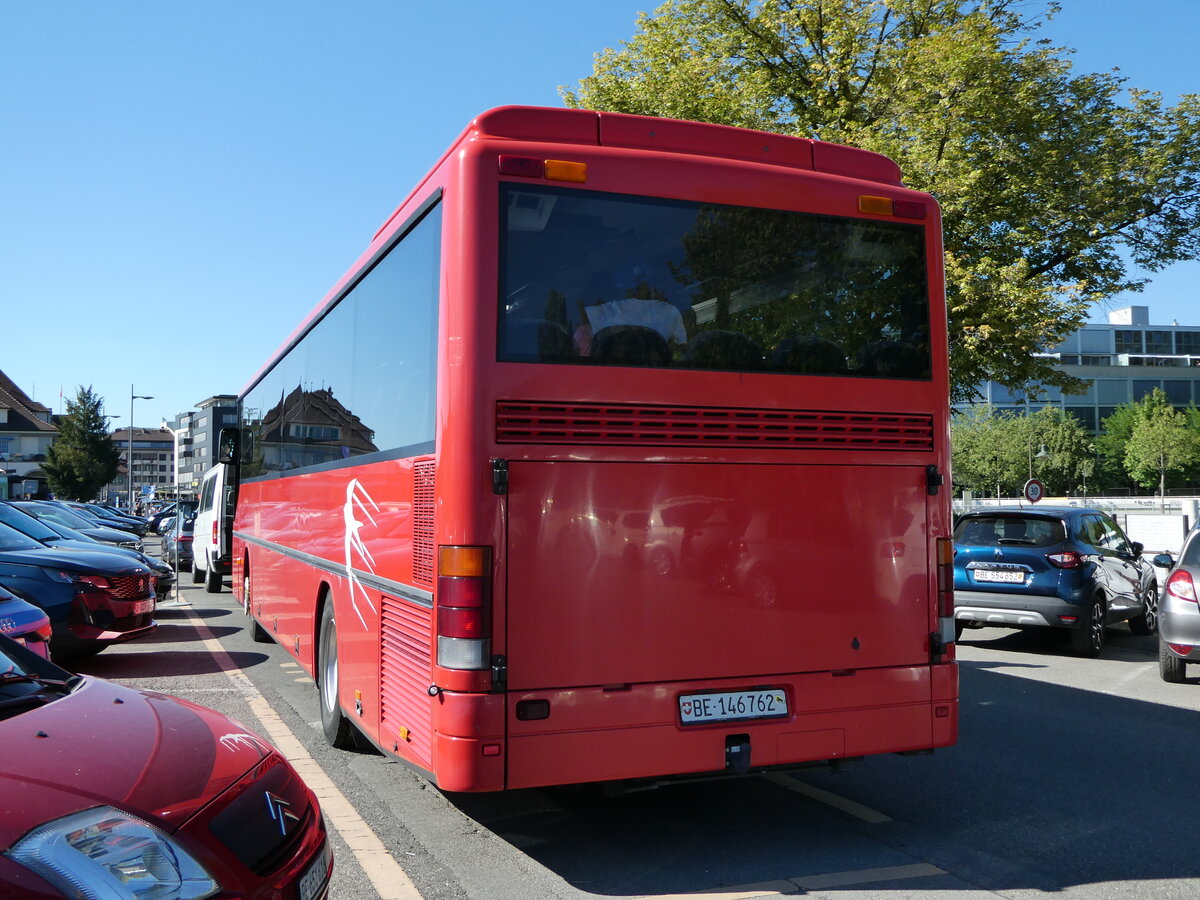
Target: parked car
<point>1057,567</point>
<point>93,599</point>
<point>188,507</point>
<point>1179,622</point>
<point>212,551</point>
<point>24,623</point>
<point>101,518</point>
<point>68,518</point>
<point>139,524</point>
<point>177,544</point>
<point>114,792</point>
<point>62,538</point>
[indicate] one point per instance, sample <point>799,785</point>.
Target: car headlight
<point>105,854</point>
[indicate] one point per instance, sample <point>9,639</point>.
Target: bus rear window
<point>607,279</point>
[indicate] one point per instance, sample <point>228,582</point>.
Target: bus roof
<point>610,129</point>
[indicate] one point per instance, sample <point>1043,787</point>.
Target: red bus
<point>621,454</point>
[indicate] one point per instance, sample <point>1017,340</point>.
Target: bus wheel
<point>257,632</point>
<point>338,730</point>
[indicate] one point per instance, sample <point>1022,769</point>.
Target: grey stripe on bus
<point>394,588</point>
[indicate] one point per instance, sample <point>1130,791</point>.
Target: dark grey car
<point>1179,612</point>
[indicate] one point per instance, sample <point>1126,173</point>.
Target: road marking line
<point>391,882</point>
<point>741,892</point>
<point>866,876</point>
<point>804,883</point>
<point>849,807</point>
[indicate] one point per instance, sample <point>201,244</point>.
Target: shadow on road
<point>1049,788</point>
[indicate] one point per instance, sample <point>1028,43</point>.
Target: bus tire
<point>339,732</point>
<point>258,634</point>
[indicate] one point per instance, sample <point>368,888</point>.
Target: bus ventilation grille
<point>405,673</point>
<point>680,426</point>
<point>423,497</point>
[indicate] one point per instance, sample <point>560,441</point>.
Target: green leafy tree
<point>1111,442</point>
<point>1050,181</point>
<point>1162,441</point>
<point>83,457</point>
<point>983,459</point>
<point>1060,450</point>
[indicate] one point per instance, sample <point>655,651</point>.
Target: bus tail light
<point>945,577</point>
<point>1181,586</point>
<point>464,607</point>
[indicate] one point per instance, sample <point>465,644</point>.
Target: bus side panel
<point>593,734</point>
<point>306,532</point>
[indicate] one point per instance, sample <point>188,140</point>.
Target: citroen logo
<point>277,807</point>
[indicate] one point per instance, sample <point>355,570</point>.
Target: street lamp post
<point>129,462</point>
<point>1041,454</point>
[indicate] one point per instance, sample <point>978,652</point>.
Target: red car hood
<point>151,755</point>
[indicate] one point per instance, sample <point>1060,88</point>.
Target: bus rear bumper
<point>593,734</point>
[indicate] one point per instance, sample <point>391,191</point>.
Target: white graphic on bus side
<point>358,503</point>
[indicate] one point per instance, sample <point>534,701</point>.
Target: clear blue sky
<point>183,181</point>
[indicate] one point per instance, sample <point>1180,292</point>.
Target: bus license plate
<point>312,880</point>
<point>732,705</point>
<point>1003,576</point>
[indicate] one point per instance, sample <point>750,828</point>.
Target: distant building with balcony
<point>26,433</point>
<point>1121,362</point>
<point>196,434</point>
<point>153,462</point>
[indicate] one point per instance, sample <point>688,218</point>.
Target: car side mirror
<point>1136,548</point>
<point>1163,561</point>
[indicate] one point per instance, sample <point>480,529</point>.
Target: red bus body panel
<point>626,572</point>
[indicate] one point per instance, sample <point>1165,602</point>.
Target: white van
<point>212,557</point>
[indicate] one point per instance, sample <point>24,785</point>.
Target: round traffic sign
<point>1034,490</point>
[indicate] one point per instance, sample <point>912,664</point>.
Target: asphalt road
<point>1071,777</point>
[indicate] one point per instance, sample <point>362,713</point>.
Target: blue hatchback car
<point>1056,567</point>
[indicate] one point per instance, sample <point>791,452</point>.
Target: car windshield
<point>61,516</point>
<point>11,539</point>
<point>27,524</point>
<point>1000,531</point>
<point>27,681</point>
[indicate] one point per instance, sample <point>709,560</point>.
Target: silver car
<point>1179,614</point>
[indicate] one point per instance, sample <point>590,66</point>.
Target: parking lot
<point>1068,777</point>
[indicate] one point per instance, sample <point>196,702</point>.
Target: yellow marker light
<point>463,561</point>
<point>560,170</point>
<point>405,734</point>
<point>880,206</point>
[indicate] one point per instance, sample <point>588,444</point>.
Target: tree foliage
<point>1161,441</point>
<point>996,453</point>
<point>1049,180</point>
<point>83,458</point>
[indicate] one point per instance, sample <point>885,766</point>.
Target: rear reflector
<point>1181,649</point>
<point>525,166</point>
